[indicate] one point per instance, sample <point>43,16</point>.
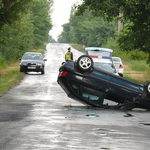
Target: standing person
<point>69,55</point>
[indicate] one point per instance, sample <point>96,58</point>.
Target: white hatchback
<point>99,52</point>
<point>119,65</point>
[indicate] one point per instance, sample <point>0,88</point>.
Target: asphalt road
<point>37,115</point>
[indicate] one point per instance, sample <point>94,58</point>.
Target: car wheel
<point>21,70</point>
<point>42,72</point>
<point>120,74</point>
<point>85,63</point>
<point>148,89</point>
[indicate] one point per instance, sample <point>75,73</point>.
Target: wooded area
<point>136,20</point>
<point>24,25</point>
<point>87,29</point>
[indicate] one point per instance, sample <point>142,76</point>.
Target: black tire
<point>120,74</point>
<point>62,63</point>
<point>85,63</point>
<point>21,70</point>
<point>147,89</point>
<point>43,71</point>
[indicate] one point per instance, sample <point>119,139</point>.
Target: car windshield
<point>105,66</point>
<point>32,57</point>
<point>116,59</point>
<point>98,53</point>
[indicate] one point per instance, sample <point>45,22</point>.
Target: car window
<point>37,57</point>
<point>85,94</point>
<point>116,59</point>
<point>108,67</point>
<point>105,66</point>
<point>32,57</point>
<point>99,53</point>
<point>26,57</point>
<point>90,96</point>
<point>76,88</point>
<point>97,64</point>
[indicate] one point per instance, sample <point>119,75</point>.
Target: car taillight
<point>121,66</point>
<point>93,56</point>
<point>63,74</point>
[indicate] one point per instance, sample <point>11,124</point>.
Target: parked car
<point>32,62</point>
<point>119,65</point>
<point>99,52</point>
<point>102,58</point>
<point>105,64</point>
<point>89,85</point>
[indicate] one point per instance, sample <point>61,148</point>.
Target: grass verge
<point>10,77</point>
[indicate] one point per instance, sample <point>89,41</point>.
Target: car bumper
<point>143,102</point>
<point>31,68</point>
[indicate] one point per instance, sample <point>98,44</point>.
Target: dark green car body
<point>92,87</point>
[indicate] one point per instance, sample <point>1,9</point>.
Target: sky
<point>60,15</point>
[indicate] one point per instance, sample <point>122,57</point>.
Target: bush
<point>2,62</point>
<point>139,55</point>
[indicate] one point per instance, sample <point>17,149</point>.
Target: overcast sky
<point>60,15</point>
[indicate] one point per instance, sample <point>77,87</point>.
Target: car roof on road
<point>98,49</point>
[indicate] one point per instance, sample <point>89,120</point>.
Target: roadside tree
<point>87,30</point>
<point>136,17</point>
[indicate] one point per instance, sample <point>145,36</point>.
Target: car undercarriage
<point>91,86</point>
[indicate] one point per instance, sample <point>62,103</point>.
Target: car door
<point>123,88</point>
<point>98,80</point>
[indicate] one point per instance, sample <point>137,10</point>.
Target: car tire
<point>84,63</point>
<point>21,70</point>
<point>43,71</point>
<point>120,74</point>
<point>148,89</point>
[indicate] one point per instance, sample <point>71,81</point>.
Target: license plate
<point>31,67</point>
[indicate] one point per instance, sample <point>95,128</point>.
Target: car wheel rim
<point>85,63</point>
<point>148,88</point>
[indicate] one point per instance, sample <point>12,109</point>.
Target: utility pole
<point>120,22</point>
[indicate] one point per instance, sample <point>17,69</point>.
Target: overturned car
<point>89,85</point>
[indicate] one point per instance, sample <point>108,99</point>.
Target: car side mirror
<point>45,59</point>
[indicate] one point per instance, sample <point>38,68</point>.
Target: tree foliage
<point>87,30</point>
<point>10,10</point>
<point>24,25</point>
<point>41,20</point>
<point>135,12</point>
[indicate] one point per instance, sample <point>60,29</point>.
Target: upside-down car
<point>89,85</point>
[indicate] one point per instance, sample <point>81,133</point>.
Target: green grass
<point>38,50</point>
<point>9,78</point>
<point>134,79</point>
<point>139,65</point>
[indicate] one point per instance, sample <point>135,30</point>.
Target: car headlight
<point>23,64</point>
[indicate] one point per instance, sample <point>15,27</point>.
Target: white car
<point>119,65</point>
<point>99,52</point>
<point>105,64</point>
